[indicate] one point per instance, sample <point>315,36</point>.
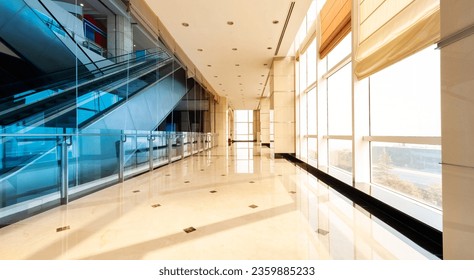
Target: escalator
<point>75,103</point>
<point>31,30</point>
<point>82,118</point>
<point>103,100</point>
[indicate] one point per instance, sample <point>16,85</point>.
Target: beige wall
<point>457,115</point>
<point>283,97</point>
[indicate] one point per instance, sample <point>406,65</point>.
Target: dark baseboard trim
<point>422,234</point>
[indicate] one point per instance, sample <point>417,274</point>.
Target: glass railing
<point>71,77</point>
<point>54,83</point>
<point>40,169</point>
<point>73,104</point>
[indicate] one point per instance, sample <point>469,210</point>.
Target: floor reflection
<point>241,202</point>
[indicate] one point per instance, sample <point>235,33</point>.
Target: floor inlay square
<point>59,229</point>
<point>322,231</point>
<point>189,229</point>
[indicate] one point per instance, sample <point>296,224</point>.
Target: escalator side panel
<point>21,29</point>
<point>146,110</point>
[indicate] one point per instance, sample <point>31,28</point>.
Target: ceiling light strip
<point>284,27</point>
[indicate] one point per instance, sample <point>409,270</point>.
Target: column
<point>283,97</point>
<point>457,113</point>
<point>119,35</point>
<point>256,126</point>
<point>360,120</point>
<point>265,121</point>
<point>221,115</point>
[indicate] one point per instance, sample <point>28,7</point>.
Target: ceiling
<point>233,42</point>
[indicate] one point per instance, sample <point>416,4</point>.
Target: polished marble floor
<point>227,203</point>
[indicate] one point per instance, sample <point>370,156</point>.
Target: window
<point>405,106</point>
<point>340,102</point>
<point>306,102</point>
<point>405,97</point>
<point>312,112</point>
<point>311,63</point>
<point>410,169</point>
<point>243,125</point>
<point>397,125</point>
<point>342,50</point>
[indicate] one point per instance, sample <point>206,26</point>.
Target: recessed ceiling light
<point>185,24</point>
<point>240,83</point>
<point>269,48</point>
<point>237,65</point>
<point>234,49</point>
<point>215,76</point>
<point>275,22</point>
<point>230,22</point>
<point>263,75</point>
<point>200,50</point>
<point>239,76</point>
<point>209,65</point>
<point>265,64</point>
<point>220,84</point>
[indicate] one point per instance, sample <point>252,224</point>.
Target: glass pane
<point>302,72</point>
<point>413,170</point>
<point>405,97</point>
<point>303,115</point>
<point>250,113</point>
<point>242,128</point>
<point>96,157</point>
<point>160,149</point>
<point>136,154</point>
<point>342,50</point>
<point>239,137</point>
<point>304,148</point>
<point>311,62</point>
<point>30,168</point>
<point>313,151</point>
<point>241,116</point>
<point>340,154</point>
<point>312,112</point>
<point>340,102</point>
<point>311,14</point>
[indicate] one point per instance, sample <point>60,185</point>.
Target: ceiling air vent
<point>284,27</point>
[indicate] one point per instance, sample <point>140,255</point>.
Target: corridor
<point>226,203</point>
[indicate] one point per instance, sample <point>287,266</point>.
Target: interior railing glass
<point>74,101</point>
<point>68,166</point>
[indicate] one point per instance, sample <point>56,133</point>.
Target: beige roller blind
<point>390,30</point>
<point>335,24</point>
